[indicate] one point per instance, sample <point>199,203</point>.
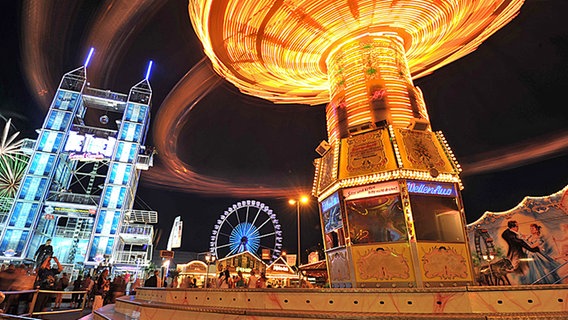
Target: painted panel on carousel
<point>377,218</point>
<point>421,150</point>
<point>339,271</point>
<point>525,245</point>
<point>444,262</point>
<point>326,172</point>
<point>366,153</point>
<point>385,262</point>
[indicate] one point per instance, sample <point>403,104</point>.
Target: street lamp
<point>210,259</point>
<point>304,200</point>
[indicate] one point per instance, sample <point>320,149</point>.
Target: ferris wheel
<point>248,225</point>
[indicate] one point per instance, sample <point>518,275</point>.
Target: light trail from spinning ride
<point>360,56</point>
<point>113,27</point>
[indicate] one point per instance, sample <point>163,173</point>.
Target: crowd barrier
<point>14,300</point>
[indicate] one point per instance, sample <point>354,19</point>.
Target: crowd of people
<point>100,288</point>
<point>225,280</point>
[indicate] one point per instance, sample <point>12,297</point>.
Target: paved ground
<point>68,316</point>
<point>64,316</point>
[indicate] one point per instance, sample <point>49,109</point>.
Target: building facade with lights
<point>80,185</point>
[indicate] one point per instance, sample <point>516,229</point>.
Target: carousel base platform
<point>476,302</point>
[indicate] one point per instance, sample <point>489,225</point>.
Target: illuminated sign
<point>62,210</point>
<point>371,191</point>
<point>174,241</point>
<point>330,202</point>
<point>279,267</point>
<point>432,188</point>
<point>243,270</point>
<point>265,254</point>
<point>89,147</point>
<point>166,254</point>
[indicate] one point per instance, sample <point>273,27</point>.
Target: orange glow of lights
<point>288,51</point>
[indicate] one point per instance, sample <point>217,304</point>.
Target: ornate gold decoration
<point>383,263</point>
<point>339,266</point>
<point>444,262</point>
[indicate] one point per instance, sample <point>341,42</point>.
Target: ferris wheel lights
<point>246,226</point>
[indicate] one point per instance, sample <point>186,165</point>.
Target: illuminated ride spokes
<point>358,56</point>
<point>246,226</point>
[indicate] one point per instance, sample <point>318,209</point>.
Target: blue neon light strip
<point>149,69</point>
<point>89,57</point>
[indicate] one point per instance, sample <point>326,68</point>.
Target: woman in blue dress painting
<point>542,267</point>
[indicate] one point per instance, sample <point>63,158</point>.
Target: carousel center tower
<point>388,186</point>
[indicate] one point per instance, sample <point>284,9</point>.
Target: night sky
<point>502,109</point>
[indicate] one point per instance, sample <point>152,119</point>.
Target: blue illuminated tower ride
<point>81,181</point>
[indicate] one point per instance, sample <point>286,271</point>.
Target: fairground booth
<point>280,274</point>
<point>194,270</point>
<point>391,211</point>
<point>244,262</point>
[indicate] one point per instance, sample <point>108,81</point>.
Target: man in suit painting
<point>516,245</point>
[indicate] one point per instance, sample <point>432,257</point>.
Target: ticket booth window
<point>436,218</point>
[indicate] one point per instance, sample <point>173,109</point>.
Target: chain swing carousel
<point>388,186</point>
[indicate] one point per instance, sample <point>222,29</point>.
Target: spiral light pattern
<point>277,50</point>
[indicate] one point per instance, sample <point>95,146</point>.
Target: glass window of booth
<point>437,218</point>
<point>376,219</point>
<point>332,222</point>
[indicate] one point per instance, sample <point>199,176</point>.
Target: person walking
<point>101,289</point>
<point>239,281</point>
<point>76,298</point>
<point>88,285</point>
<point>154,281</point>
<point>46,281</point>
<point>252,280</point>
<point>261,283</point>
<point>61,284</point>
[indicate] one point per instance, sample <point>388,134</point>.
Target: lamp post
<point>302,199</point>
<point>209,258</point>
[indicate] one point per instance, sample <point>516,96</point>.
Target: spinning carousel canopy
<point>277,50</point>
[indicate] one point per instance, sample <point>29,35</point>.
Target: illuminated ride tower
<point>80,185</point>
<point>388,186</point>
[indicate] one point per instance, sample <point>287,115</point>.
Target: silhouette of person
<point>44,251</point>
